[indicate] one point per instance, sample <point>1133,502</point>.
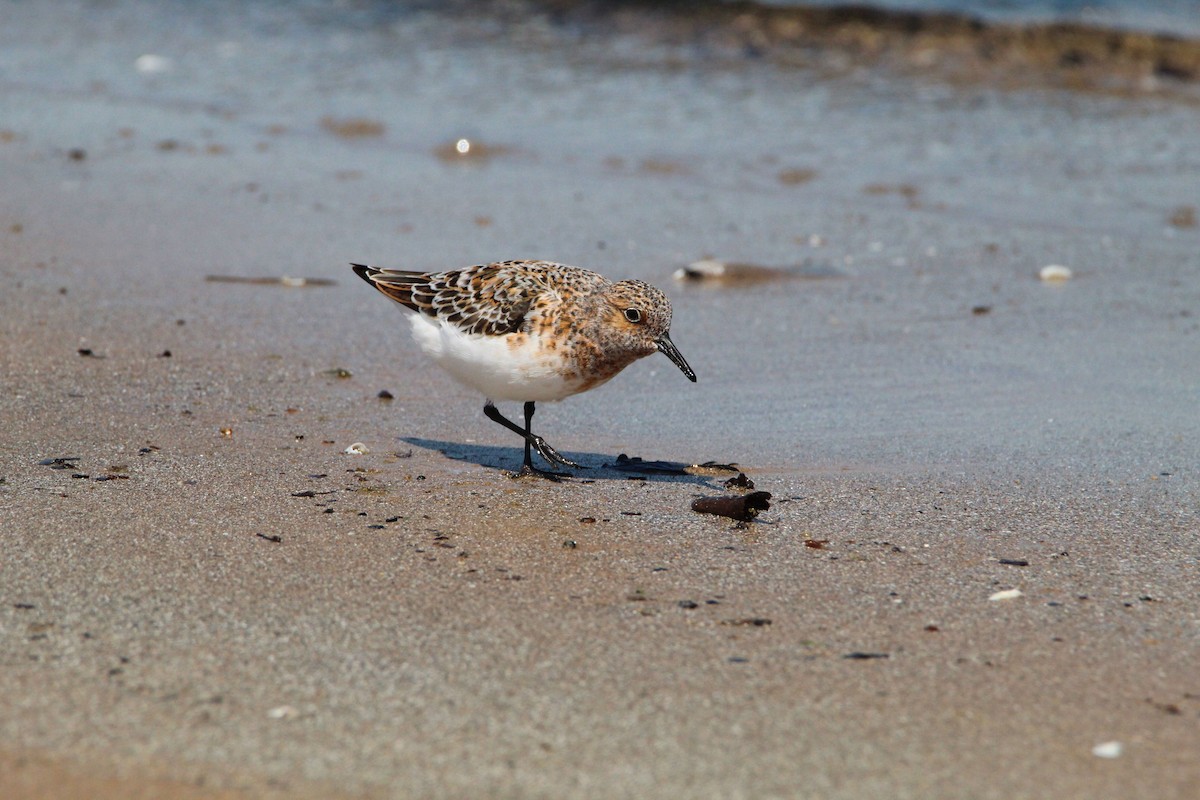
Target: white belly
<point>490,366</point>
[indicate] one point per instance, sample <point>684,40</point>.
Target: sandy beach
<point>980,572</point>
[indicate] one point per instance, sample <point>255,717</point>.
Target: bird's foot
<point>551,455</point>
<point>530,471</point>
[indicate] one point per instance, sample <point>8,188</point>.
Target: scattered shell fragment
<point>356,449</point>
<point>1006,594</point>
<point>150,64</point>
<point>1107,750</point>
<point>283,712</point>
<point>728,273</point>
<point>1055,273</point>
<point>283,280</point>
<point>464,150</point>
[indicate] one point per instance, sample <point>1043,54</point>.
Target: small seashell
<point>699,270</point>
<point>1055,273</point>
<point>1107,750</point>
<point>1007,594</point>
<point>150,64</point>
<point>356,449</point>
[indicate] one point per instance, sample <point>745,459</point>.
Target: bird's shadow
<point>599,466</point>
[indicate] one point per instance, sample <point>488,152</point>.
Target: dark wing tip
<point>363,271</point>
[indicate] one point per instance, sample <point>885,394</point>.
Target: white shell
<point>150,64</point>
<point>1055,273</point>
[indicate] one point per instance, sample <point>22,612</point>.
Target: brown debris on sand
<point>740,507</point>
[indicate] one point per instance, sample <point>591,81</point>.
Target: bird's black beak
<point>668,349</point>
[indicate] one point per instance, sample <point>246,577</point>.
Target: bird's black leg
<point>532,442</point>
<point>528,463</point>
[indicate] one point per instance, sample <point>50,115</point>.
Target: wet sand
<point>212,599</point>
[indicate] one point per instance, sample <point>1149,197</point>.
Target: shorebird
<point>531,331</point>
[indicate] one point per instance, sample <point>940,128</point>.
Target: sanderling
<point>530,331</point>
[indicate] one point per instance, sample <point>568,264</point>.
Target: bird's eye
<point>633,315</point>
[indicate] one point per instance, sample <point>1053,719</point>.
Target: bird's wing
<point>488,299</point>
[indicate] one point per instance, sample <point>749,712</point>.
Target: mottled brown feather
<point>484,299</point>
